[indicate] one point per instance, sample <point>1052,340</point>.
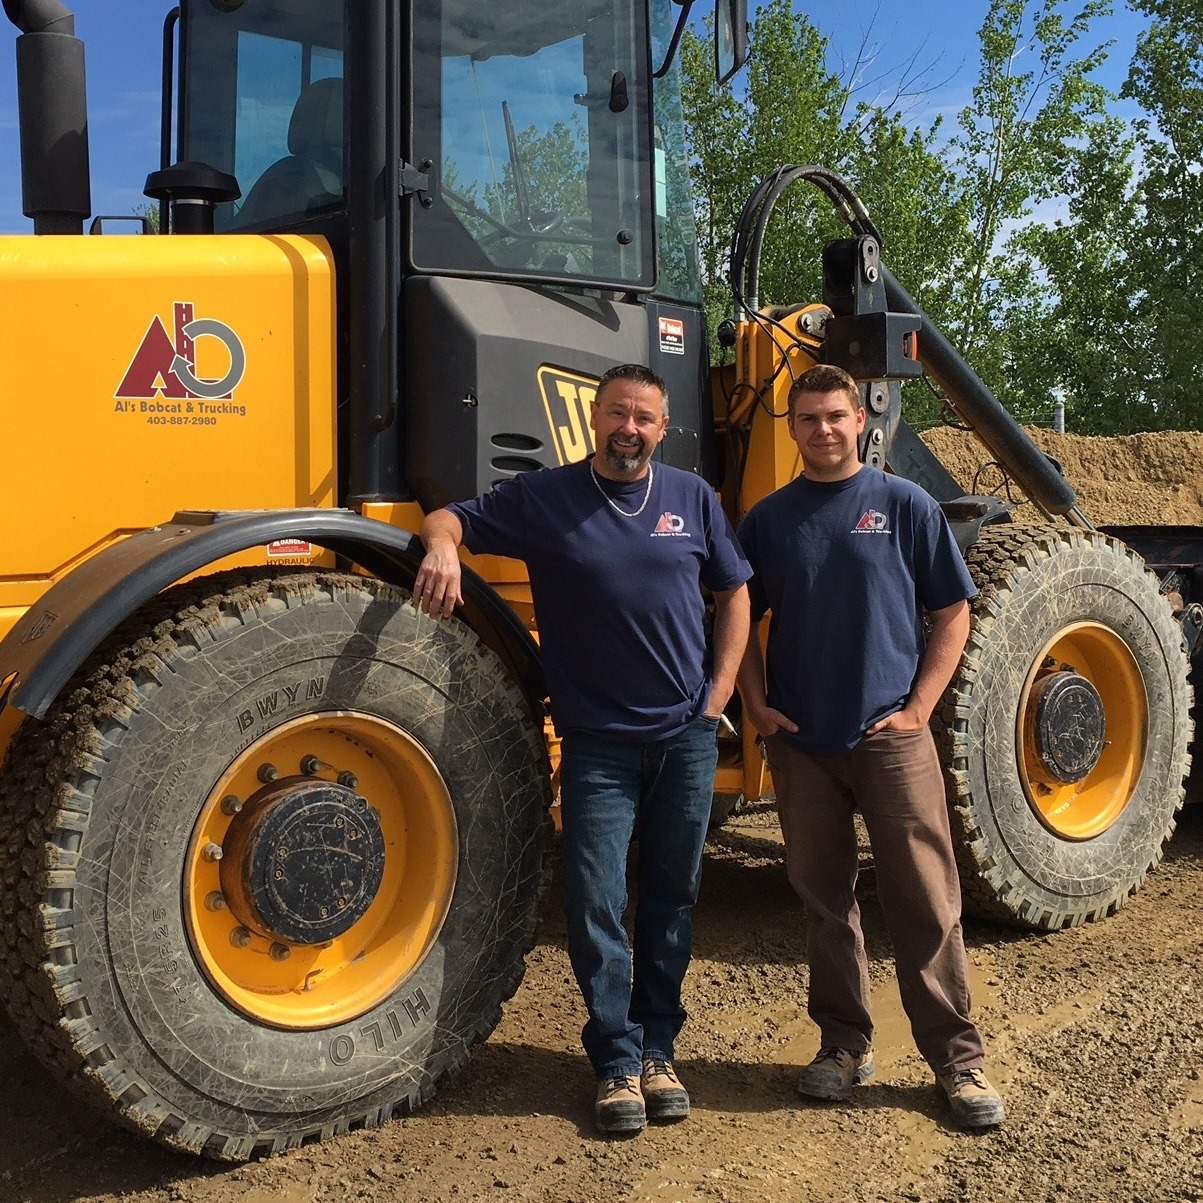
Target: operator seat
<point>312,174</point>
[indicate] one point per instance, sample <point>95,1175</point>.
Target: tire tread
<point>991,886</point>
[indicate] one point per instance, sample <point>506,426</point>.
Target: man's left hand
<point>906,719</point>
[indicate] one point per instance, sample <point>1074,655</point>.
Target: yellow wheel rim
<point>289,984</point>
<point>1083,809</point>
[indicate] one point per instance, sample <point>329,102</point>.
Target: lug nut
<point>215,900</point>
<point>231,805</point>
<point>268,773</point>
<point>348,780</point>
<point>211,852</point>
<point>311,765</point>
<point>240,937</point>
<point>279,952</point>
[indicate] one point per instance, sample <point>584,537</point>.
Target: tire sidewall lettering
<point>341,1049</point>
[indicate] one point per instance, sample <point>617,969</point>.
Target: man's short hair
<point>637,373</point>
<point>824,378</point>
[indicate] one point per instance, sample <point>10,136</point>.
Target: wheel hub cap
<point>1069,725</point>
<point>303,860</point>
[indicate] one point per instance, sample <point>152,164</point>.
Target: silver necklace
<point>610,501</point>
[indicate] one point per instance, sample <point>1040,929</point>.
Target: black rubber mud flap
<point>1066,731</point>
<point>114,961</point>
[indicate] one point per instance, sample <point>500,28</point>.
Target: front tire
<point>1065,733</point>
<point>273,862</point>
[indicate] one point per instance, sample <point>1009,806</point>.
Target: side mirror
<point>730,37</point>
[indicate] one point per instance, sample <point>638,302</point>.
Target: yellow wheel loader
<point>272,840</point>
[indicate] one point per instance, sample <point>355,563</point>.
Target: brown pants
<point>894,779</point>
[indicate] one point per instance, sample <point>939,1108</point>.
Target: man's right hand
<point>437,585</point>
<point>768,721</point>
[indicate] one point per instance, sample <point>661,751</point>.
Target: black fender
<point>66,624</point>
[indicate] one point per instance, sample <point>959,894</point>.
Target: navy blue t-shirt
<point>847,569</point>
<point>618,599</point>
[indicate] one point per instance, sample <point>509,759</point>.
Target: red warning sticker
<point>672,336</point>
<point>288,549</point>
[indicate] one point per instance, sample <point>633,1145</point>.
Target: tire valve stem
<point>240,937</point>
<point>215,900</point>
<point>268,773</point>
<point>211,852</point>
<point>279,952</point>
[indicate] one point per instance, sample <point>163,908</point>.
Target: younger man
<point>849,559</point>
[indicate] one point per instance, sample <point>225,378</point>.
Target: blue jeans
<point>660,791</point>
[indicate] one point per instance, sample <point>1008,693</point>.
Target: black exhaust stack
<point>56,187</point>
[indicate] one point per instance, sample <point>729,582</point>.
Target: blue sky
<point>124,41</point>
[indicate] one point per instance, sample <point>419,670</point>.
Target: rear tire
<point>119,972</point>
<point>1034,849</point>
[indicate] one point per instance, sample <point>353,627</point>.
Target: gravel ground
<point>1095,1038</point>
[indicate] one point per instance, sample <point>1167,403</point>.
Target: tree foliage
<point>1050,239</point>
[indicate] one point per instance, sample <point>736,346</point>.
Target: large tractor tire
<point>1066,732</point>
<point>272,863</point>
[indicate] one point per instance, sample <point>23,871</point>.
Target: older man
<point>618,549</point>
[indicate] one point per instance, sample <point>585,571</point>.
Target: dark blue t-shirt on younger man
<point>861,553</point>
<point>617,595</point>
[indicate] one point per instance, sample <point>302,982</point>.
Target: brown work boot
<point>834,1072</point>
<point>975,1103</point>
<point>619,1105</point>
<point>663,1093</point>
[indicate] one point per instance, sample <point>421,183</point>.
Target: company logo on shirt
<point>872,522</point>
<point>670,525</point>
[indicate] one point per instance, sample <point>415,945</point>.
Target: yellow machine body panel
<point>147,375</point>
<point>751,406</point>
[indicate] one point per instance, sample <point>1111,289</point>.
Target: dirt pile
<point>1130,480</point>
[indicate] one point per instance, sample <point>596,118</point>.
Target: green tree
<point>792,109</point>
<point>1166,78</point>
<point>1082,349</point>
<point>1020,234</point>
<point>1119,339</point>
<point>1035,113</point>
